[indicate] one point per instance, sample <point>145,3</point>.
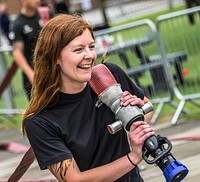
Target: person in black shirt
<point>66,128</point>
<point>24,35</point>
<point>4,21</point>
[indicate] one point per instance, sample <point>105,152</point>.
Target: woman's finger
<point>129,99</point>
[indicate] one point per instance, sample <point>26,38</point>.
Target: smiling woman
<point>66,127</point>
<point>80,55</point>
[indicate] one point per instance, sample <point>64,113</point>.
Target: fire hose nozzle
<point>115,127</point>
<point>125,121</point>
<point>148,107</point>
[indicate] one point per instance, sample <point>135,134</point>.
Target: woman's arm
<point>68,170</point>
<point>21,61</point>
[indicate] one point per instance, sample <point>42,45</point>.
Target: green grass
<point>21,101</point>
<point>167,112</point>
<point>19,97</point>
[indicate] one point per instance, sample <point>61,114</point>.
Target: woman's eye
<point>78,50</point>
<point>92,46</point>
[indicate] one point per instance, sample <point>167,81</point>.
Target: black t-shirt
<point>74,126</point>
<point>26,29</point>
<point>4,23</point>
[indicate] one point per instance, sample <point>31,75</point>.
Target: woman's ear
<point>58,60</point>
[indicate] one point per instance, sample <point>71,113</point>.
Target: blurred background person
<point>45,12</point>
<point>191,4</point>
<point>61,6</point>
<point>4,21</point>
<point>24,34</point>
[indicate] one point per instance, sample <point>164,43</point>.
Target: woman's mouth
<point>84,66</point>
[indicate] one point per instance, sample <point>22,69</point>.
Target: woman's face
<point>76,61</point>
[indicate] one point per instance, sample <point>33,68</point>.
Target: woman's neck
<point>73,89</point>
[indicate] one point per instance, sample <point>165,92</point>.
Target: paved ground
<point>186,151</point>
<point>9,159</point>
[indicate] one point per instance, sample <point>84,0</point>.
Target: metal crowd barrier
<point>180,34</point>
<point>7,94</point>
<point>139,47</point>
<point>6,90</point>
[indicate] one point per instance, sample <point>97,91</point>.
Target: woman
<point>67,131</point>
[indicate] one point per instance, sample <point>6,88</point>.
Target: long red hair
<point>54,36</point>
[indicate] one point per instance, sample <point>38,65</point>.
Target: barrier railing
<point>6,94</point>
<point>180,34</point>
<point>6,90</point>
<point>149,66</point>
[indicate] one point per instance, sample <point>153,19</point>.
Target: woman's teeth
<point>84,66</point>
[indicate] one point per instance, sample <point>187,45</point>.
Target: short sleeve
<point>46,141</point>
<point>16,32</point>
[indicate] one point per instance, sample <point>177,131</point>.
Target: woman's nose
<point>89,54</point>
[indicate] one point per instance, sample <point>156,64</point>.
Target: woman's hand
<point>138,133</point>
<point>126,99</point>
<point>129,99</point>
